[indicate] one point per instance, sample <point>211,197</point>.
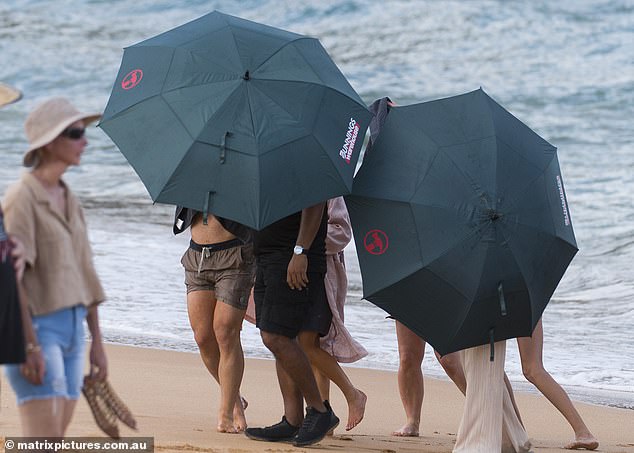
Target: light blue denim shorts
<point>61,336</point>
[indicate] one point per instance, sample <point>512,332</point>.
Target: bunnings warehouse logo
<point>351,139</point>
<point>562,197</point>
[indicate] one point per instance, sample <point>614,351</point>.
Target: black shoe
<point>280,432</point>
<point>315,426</point>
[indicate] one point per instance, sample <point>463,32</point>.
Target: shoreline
<point>175,401</point>
<point>588,395</point>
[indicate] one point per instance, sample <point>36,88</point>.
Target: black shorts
<point>285,311</point>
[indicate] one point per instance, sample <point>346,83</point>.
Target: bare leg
<point>531,355</point>
<point>69,409</point>
<point>227,324</point>
<point>43,418</point>
<point>453,367</point>
<point>201,306</point>
<point>328,365</point>
<point>291,396</point>
<point>292,359</point>
<point>323,383</point>
<point>411,349</point>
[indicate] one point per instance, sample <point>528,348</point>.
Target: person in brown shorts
<point>219,273</point>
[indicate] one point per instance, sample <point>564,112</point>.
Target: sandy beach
<point>175,401</point>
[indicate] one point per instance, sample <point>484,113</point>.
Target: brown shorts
<point>228,272</point>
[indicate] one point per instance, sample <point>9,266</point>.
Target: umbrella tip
<point>494,215</point>
<point>246,76</point>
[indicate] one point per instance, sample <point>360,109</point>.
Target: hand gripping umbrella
<point>236,118</point>
<point>461,222</point>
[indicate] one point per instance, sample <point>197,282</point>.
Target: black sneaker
<point>315,426</point>
<point>280,432</point>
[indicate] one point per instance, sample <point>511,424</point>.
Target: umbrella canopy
<point>461,222</point>
<point>240,119</point>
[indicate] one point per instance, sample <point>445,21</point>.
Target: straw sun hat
<point>8,94</point>
<point>47,121</point>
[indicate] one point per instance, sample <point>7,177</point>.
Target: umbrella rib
<point>286,44</point>
<point>537,230</point>
<point>168,104</point>
<point>308,63</point>
<point>527,162</point>
<point>472,183</point>
<point>444,147</point>
<point>276,103</point>
<point>307,82</point>
<point>162,91</point>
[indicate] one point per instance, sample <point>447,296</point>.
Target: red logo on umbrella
<point>375,242</point>
<point>132,79</point>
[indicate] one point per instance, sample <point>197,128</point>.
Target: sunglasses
<point>74,133</point>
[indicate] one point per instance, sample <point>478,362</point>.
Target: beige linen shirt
<point>60,272</point>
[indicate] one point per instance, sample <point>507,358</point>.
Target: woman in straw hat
<point>60,284</point>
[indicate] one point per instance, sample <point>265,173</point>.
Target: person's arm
<point>296,275</point>
<point>17,253</point>
<point>34,368</point>
<point>20,225</point>
<point>98,361</point>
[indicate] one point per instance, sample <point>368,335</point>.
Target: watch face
<point>298,250</point>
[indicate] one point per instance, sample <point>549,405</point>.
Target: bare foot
<point>226,426</point>
<point>583,443</point>
<point>407,430</point>
<point>239,419</point>
<point>356,410</point>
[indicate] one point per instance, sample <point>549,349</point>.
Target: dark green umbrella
<point>460,221</point>
<point>240,119</point>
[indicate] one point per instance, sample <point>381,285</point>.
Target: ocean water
<point>565,68</point>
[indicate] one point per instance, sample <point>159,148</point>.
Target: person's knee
<point>309,343</point>
<point>227,333</point>
<point>532,372</point>
<point>410,360</point>
<point>227,337</point>
<point>451,364</point>
<point>204,337</point>
<point>43,418</point>
<point>274,342</point>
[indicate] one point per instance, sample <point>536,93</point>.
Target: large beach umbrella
<point>236,118</point>
<point>461,222</point>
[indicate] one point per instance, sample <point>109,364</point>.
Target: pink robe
<point>338,343</point>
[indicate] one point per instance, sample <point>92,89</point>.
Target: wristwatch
<point>298,250</point>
